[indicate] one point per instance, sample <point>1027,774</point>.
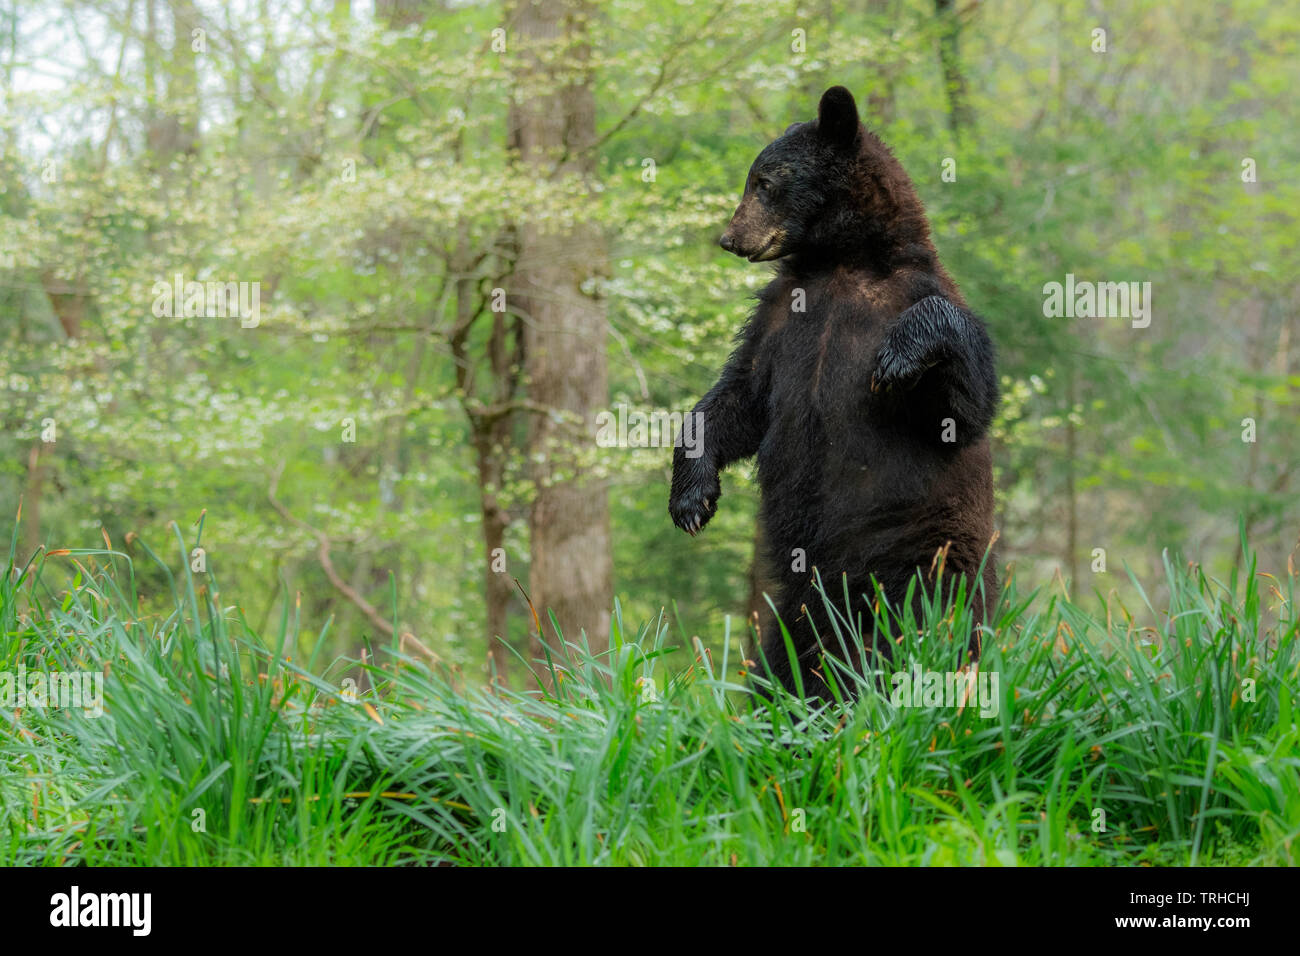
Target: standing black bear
<point>863,384</point>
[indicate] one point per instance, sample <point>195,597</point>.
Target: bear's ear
<point>837,117</point>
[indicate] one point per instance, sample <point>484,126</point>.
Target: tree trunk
<point>490,429</point>
<point>33,488</point>
<point>553,130</point>
<point>1071,491</point>
<point>762,579</point>
<point>880,76</point>
<point>497,582</point>
<point>954,80</point>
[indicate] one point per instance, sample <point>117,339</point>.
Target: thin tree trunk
<point>1070,359</point>
<point>954,80</point>
<point>490,429</point>
<point>497,580</point>
<point>761,580</point>
<point>31,503</point>
<point>880,92</point>
<point>1071,492</point>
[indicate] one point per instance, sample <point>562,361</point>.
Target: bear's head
<point>828,190</point>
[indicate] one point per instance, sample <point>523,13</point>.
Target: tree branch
<point>323,555</point>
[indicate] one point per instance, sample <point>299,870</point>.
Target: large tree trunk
<point>553,129</point>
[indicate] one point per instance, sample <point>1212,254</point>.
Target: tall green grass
<point>219,745</point>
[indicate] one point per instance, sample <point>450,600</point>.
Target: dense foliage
<point>354,164</point>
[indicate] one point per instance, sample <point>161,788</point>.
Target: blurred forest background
<point>473,226</point>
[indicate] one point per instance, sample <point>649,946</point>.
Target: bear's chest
<point>818,365</point>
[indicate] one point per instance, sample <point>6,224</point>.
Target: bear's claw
<point>894,368</point>
<point>692,509</point>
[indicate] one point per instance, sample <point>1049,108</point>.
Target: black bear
<point>861,381</point>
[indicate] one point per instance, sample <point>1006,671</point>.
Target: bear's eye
<point>763,185</point>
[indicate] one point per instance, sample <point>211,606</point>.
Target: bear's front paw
<point>692,506</point>
<point>899,367</point>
